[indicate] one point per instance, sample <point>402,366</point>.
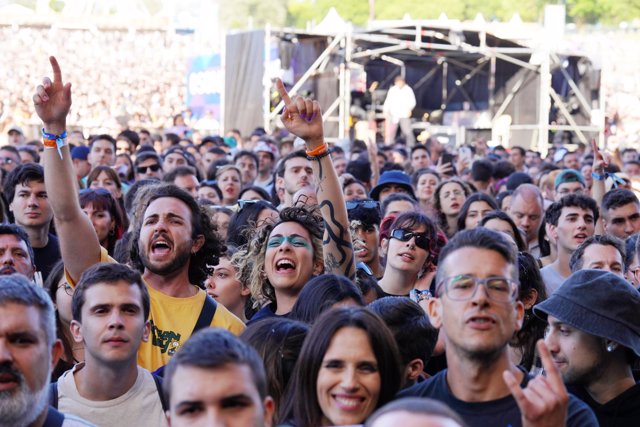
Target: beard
<point>19,408</point>
<point>180,260</point>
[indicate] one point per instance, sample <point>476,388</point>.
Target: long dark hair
<point>51,286</point>
<point>102,199</point>
<point>278,341</point>
<point>475,197</point>
<point>301,398</point>
<point>321,293</point>
<point>520,243</point>
<point>533,327</point>
<point>200,263</point>
<point>243,222</point>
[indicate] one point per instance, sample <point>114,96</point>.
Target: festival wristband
<point>51,140</point>
<point>599,177</point>
<point>318,150</point>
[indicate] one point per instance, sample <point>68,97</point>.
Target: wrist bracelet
<point>417,295</point>
<point>51,140</point>
<point>318,150</point>
<point>599,177</point>
<point>319,156</point>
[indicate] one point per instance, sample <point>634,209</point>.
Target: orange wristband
<point>318,150</point>
<point>49,143</point>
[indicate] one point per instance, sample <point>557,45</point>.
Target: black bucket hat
<point>599,303</point>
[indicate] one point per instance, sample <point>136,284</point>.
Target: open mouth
<point>161,247</point>
<point>285,266</point>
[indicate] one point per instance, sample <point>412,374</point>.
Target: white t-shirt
<point>140,406</point>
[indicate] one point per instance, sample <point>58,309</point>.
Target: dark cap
<point>81,152</point>
<point>518,178</point>
<point>398,178</point>
<point>599,303</point>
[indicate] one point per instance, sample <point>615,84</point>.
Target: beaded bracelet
<point>51,140</point>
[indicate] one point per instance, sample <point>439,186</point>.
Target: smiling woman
<point>349,365</point>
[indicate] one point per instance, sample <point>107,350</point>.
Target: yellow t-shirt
<point>172,321</point>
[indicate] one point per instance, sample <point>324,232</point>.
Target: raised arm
<point>597,188</point>
<point>78,240</point>
<point>303,118</point>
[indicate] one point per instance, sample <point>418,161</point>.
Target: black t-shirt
<point>47,257</point>
<point>502,412</point>
<point>622,411</point>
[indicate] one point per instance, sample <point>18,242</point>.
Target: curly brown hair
<point>250,261</point>
<point>200,263</point>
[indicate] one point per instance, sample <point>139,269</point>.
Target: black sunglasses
<point>367,204</point>
<point>143,169</point>
<point>422,241</point>
<point>99,191</point>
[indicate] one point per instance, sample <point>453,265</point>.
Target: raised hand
<point>599,161</point>
<point>544,402</point>
<point>52,100</point>
<point>302,117</point>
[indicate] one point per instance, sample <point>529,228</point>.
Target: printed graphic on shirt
<point>168,341</point>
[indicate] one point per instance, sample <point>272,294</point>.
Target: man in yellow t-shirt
<point>173,239</point>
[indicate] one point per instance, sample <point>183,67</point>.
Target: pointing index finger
<point>553,375</point>
<point>57,74</point>
<point>283,93</point>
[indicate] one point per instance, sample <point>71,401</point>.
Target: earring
<point>610,347</point>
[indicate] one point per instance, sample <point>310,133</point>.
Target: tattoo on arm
<point>337,234</point>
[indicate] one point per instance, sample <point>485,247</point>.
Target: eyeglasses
<point>143,169</point>
<point>422,241</point>
<point>464,287</point>
<point>67,288</point>
<point>367,204</point>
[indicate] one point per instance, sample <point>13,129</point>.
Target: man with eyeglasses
<point>477,311</point>
<point>148,165</point>
<point>9,158</point>
<point>567,182</point>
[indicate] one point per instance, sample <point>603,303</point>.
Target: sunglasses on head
<point>98,191</point>
<point>143,169</point>
<point>367,204</point>
<point>422,241</point>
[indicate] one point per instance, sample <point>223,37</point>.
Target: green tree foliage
<point>236,13</point>
<point>301,12</point>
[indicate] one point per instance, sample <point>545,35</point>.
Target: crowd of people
<point>110,68</point>
<point>265,280</point>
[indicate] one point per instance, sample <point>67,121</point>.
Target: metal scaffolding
<point>453,47</point>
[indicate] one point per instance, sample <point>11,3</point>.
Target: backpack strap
<point>206,314</point>
<point>163,401</point>
<point>53,395</point>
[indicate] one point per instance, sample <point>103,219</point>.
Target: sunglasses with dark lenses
<point>143,169</point>
<point>422,241</point>
<point>367,204</point>
<point>98,191</point>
